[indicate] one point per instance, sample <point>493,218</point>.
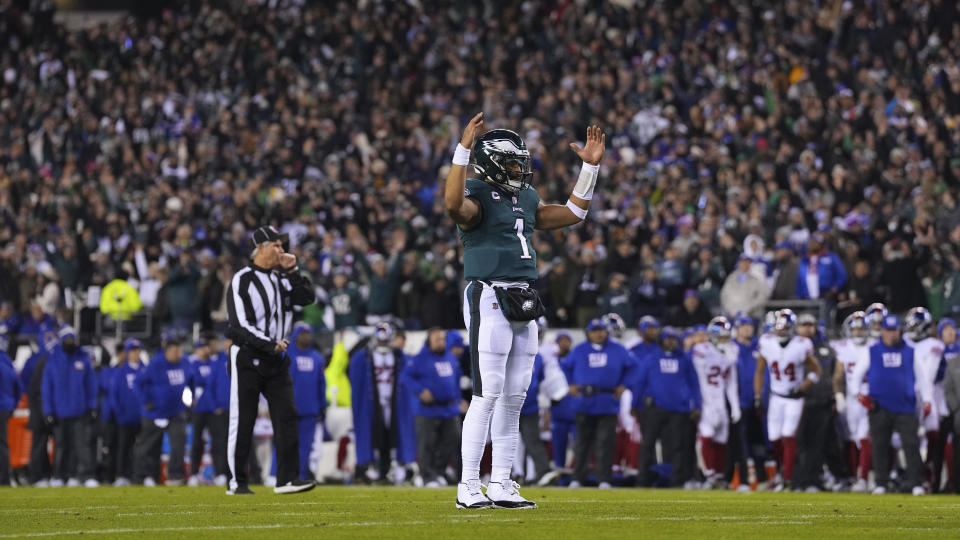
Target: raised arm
<point>464,211</point>
<point>558,216</point>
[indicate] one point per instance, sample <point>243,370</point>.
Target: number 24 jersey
<point>785,364</point>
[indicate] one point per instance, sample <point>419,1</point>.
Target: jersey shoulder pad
<point>474,187</point>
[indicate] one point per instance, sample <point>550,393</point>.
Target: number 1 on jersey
<point>523,240</point>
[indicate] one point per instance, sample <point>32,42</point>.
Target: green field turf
<point>347,512</point>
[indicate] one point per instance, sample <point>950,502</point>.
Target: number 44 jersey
<point>785,363</point>
<point>500,247</point>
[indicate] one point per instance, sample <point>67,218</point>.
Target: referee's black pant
<point>250,376</point>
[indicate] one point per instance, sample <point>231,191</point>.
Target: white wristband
<point>813,377</point>
<point>586,181</point>
<point>577,211</point>
<point>461,156</point>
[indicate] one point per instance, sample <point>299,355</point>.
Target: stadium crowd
<point>790,151</point>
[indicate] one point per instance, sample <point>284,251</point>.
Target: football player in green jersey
<point>496,212</point>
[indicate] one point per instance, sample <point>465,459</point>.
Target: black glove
<point>92,415</point>
<point>51,420</point>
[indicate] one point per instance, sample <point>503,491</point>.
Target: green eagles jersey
<point>346,304</point>
<point>500,247</point>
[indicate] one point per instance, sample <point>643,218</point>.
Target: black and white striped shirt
<point>260,306</point>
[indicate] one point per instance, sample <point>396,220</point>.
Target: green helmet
<point>500,156</point>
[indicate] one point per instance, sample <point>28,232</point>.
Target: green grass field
<point>347,512</point>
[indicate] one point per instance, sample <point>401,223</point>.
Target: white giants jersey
<point>849,354</point>
<point>927,353</point>
<point>785,364</point>
<point>717,374</point>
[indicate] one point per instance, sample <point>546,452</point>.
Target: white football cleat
<point>470,496</point>
<point>270,481</point>
<point>879,490</point>
<point>691,485</point>
<point>174,482</point>
<point>56,483</point>
<point>194,481</point>
<point>432,484</point>
<point>73,482</point>
<point>743,488</point>
<point>918,491</point>
<point>294,486</point>
<point>548,478</point>
<point>121,482</point>
<point>574,485</point>
<point>860,486</point>
<point>506,494</point>
<point>220,480</point>
<point>42,484</point>
<point>149,482</point>
<point>604,485</point>
<point>91,483</point>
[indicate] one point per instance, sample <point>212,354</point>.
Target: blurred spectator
<point>744,293</point>
<point>10,391</point>
<point>36,322</point>
<point>821,273</point>
<point>707,277</point>
<point>126,406</point>
<point>563,412</point>
<point>309,393</point>
<point>346,301</point>
<point>616,298</point>
<point>650,296</point>
<point>160,389</point>
<point>591,276</point>
<point>433,379</point>
<point>713,144</point>
<point>691,312</point>
<point>667,402</point>
<point>602,370</point>
<point>900,276</point>
<point>785,272</point>
<point>862,290</point>
<point>383,278</point>
<point>183,292</point>
<point>9,320</point>
<point>31,380</point>
<point>119,300</point>
<point>382,418</point>
<point>530,423</point>
<point>70,406</point>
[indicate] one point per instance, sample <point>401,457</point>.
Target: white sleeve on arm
<point>924,381</point>
<point>860,370</point>
<point>733,391</point>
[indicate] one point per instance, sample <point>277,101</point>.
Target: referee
<point>260,305</point>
